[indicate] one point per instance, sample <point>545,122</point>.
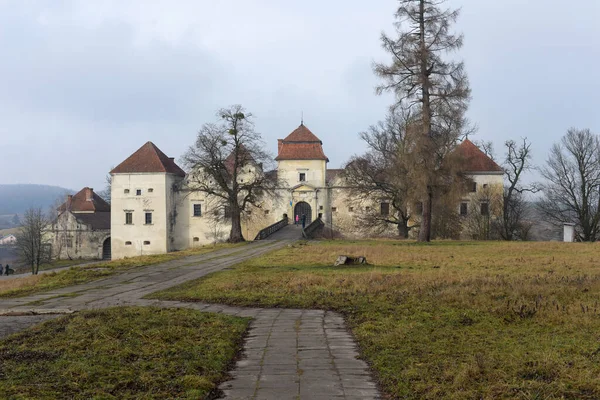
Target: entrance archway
<point>303,208</point>
<point>106,249</point>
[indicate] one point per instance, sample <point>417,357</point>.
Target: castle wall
<point>156,197</point>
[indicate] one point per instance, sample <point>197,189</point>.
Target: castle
<point>154,211</point>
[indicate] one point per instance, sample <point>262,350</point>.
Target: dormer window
<point>138,192</point>
<point>302,177</point>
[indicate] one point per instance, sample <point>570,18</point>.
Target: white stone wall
<point>157,197</point>
<point>289,172</point>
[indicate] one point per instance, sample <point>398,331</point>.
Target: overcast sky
<point>83,84</point>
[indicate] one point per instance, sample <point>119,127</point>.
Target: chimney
<point>89,194</point>
<point>69,201</point>
<point>279,145</point>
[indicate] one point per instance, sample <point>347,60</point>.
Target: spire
<point>301,118</point>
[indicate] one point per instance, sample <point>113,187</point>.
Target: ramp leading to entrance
<point>289,232</point>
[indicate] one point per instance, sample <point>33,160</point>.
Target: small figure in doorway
<point>297,219</point>
<point>303,220</point>
<point>9,270</point>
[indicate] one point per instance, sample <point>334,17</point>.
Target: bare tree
<point>513,224</point>
<point>227,161</point>
<point>484,215</point>
<point>105,193</point>
<point>381,174</point>
<point>31,245</point>
<point>437,90</point>
<point>571,191</point>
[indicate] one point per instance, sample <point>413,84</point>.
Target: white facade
<point>143,213</point>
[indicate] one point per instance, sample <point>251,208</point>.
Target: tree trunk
<point>235,235</point>
<point>425,231</point>
<point>403,229</point>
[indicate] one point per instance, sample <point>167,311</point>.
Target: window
<point>473,187</point>
<point>138,192</point>
<point>302,177</point>
<point>128,243</point>
<point>463,208</point>
<point>196,239</point>
<point>350,209</point>
<point>321,208</point>
<point>126,191</point>
<point>146,242</point>
<point>128,218</point>
<point>485,209</point>
<point>197,210</point>
<point>148,218</point>
<point>485,185</point>
<point>150,190</point>
<point>333,209</point>
<point>419,208</point>
<point>385,208</point>
<point>266,212</point>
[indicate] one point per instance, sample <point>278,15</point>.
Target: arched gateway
<point>303,208</point>
<point>106,249</point>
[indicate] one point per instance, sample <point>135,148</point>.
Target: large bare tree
<point>572,188</point>
<point>434,88</point>
<point>381,174</point>
<point>513,224</point>
<point>227,162</point>
<point>31,245</point>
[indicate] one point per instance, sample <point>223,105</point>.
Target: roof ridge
<point>148,158</point>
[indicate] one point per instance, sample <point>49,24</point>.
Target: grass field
<point>121,353</point>
<point>73,276</point>
<point>449,320</point>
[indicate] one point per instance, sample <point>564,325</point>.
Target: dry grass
<point>453,320</point>
<point>54,280</point>
<point>121,353</point>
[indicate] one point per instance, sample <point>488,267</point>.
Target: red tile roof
<point>86,200</point>
<point>98,221</point>
<point>244,158</point>
<point>148,158</point>
<point>331,174</point>
<point>476,160</point>
<point>301,144</point>
<point>302,134</point>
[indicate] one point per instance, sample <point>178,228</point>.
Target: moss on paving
<point>121,353</point>
<point>447,320</point>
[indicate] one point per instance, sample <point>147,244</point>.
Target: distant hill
<point>16,199</point>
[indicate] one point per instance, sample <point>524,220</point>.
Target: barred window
<point>197,210</point>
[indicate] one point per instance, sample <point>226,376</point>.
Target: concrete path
<point>48,271</point>
<point>288,354</point>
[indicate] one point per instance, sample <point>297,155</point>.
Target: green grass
<point>448,320</point>
<point>121,353</point>
<point>55,280</point>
